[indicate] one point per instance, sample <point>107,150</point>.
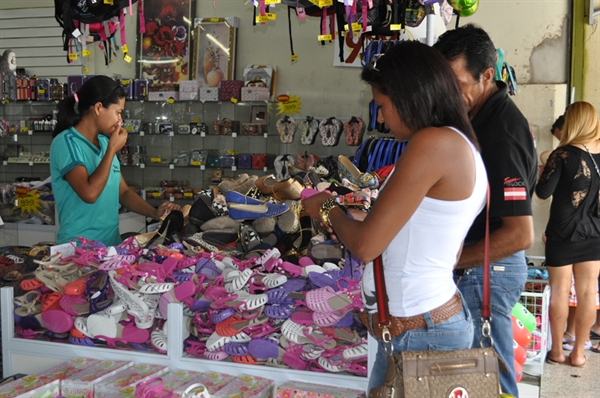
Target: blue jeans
<point>455,333</point>
<point>507,280</point>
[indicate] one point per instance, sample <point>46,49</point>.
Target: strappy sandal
<point>29,304</point>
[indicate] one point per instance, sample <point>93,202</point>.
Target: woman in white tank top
<point>426,207</point>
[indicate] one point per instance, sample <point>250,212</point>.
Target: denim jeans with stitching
<point>507,280</point>
<point>455,333</point>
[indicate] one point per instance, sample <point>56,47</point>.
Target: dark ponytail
<point>67,117</point>
<point>96,89</point>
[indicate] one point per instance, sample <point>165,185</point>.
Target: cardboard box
<point>208,94</point>
<point>45,384</point>
<point>255,93</point>
<point>247,387</point>
<point>212,381</point>
<point>30,386</point>
<point>163,95</point>
<point>122,385</point>
<point>82,384</point>
<point>300,389</point>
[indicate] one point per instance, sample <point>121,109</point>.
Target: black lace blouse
<point>571,179</point>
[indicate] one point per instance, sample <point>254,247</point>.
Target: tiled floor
<point>564,381</point>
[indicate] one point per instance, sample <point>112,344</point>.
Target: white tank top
<point>418,262</point>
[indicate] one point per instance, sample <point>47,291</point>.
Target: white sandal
<point>355,352</point>
<point>158,339</point>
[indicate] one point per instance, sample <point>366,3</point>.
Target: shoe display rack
<point>32,356</point>
<point>171,143</point>
<point>25,146</point>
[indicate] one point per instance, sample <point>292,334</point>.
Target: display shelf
<point>32,356</point>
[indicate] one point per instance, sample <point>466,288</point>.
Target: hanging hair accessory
<point>76,106</point>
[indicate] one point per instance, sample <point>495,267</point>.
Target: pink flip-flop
<point>178,294</point>
<point>56,321</point>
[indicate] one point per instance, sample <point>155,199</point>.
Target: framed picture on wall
<point>214,50</point>
<point>164,49</point>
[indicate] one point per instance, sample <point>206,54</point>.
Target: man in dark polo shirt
<point>508,151</point>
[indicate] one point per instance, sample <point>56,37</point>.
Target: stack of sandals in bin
<point>261,286</point>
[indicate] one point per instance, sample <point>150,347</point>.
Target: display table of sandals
<point>292,303</point>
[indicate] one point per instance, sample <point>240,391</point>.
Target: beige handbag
<point>420,374</point>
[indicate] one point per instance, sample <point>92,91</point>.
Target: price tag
<point>85,69</point>
<point>170,100</point>
<point>28,202</point>
<point>4,163</point>
<point>395,26</point>
<point>214,20</point>
<point>262,19</point>
<point>294,57</point>
<point>15,138</point>
<point>203,167</point>
<point>155,160</point>
<point>233,100</point>
<point>108,2</point>
<point>171,166</point>
<point>171,134</point>
<point>233,168</point>
<point>356,27</point>
<point>127,59</point>
<point>324,3</point>
<point>172,199</point>
<point>41,91</point>
<point>124,48</point>
<point>142,166</point>
<point>233,135</point>
<point>271,16</point>
<point>203,134</point>
<point>324,37</point>
<point>195,163</point>
<point>65,250</point>
<point>142,133</point>
<point>265,169</point>
<point>266,135</point>
<point>188,195</point>
<point>272,1</point>
<point>72,57</point>
<point>156,195</point>
<point>196,120</point>
<point>31,163</point>
<point>86,53</point>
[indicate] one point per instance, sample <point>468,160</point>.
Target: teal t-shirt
<point>95,221</point>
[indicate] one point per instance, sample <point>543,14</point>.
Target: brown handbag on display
<point>226,126</point>
<point>434,374</point>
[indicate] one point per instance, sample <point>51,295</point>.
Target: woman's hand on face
<point>117,139</point>
<point>165,208</point>
<point>312,204</point>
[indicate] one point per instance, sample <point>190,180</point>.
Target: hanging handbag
<point>420,374</point>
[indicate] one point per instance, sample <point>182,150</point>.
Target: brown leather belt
<point>402,324</point>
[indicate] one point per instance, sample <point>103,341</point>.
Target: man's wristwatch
<point>325,209</point>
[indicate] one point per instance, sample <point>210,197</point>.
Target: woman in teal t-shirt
<point>86,175</point>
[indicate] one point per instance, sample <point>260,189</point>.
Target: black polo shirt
<point>509,154</point>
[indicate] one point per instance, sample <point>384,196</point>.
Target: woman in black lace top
<point>572,177</point>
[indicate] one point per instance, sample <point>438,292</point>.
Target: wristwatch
<point>325,209</point>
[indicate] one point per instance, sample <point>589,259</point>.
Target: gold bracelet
<point>325,209</point>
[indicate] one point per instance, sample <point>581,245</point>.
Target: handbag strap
<point>382,297</point>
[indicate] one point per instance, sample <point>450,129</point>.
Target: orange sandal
<point>245,359</point>
<point>31,284</point>
<point>51,301</point>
